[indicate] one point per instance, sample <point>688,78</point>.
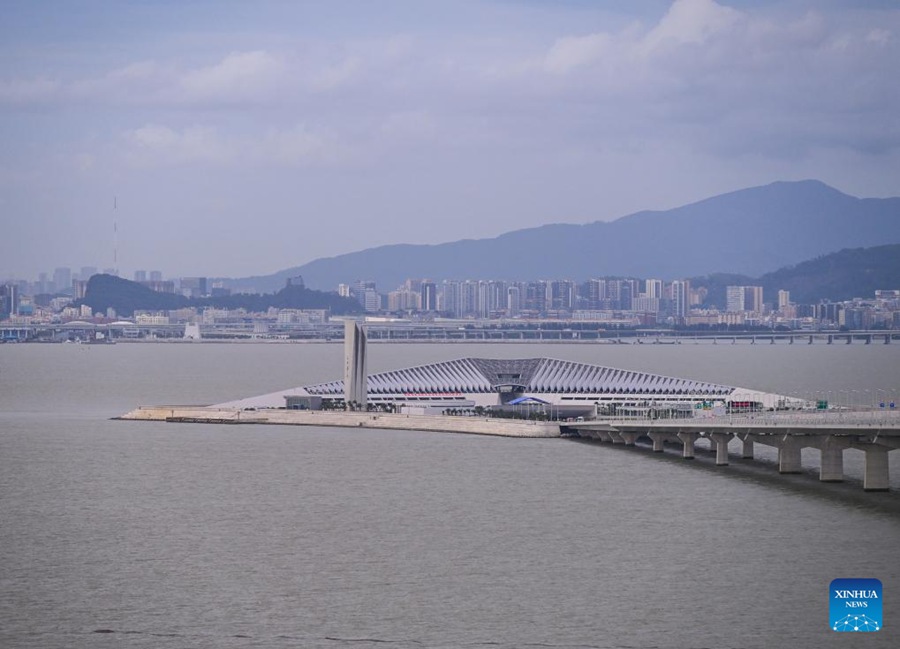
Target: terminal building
<point>558,387</point>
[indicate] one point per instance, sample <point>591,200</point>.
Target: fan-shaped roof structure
<point>532,375</point>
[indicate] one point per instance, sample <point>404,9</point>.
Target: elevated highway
<point>874,432</point>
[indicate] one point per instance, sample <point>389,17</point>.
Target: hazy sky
<point>242,138</point>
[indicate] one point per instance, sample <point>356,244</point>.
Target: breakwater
<point>373,420</point>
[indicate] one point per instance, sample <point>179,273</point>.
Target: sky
<point>231,138</point>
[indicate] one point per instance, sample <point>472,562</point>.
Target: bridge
<point>539,331</point>
<point>874,432</point>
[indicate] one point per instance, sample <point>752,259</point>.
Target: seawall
<point>435,423</point>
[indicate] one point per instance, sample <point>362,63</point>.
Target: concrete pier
<point>831,465</point>
<point>688,439</point>
<point>789,455</point>
<point>876,471</point>
<point>629,438</point>
<point>875,432</point>
<point>659,441</point>
<point>747,447</point>
<point>721,441</point>
<point>831,468</point>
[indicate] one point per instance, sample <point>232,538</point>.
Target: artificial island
<point>543,397</point>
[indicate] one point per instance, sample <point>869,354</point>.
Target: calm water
<point>220,536</point>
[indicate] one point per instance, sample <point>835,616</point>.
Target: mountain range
<point>749,232</point>
<point>842,275</point>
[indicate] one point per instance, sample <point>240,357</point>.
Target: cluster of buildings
<point>609,302</point>
<point>48,298</point>
<point>630,302</point>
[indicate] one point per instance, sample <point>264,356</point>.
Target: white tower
<point>355,364</point>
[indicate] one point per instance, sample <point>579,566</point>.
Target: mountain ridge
<point>748,231</point>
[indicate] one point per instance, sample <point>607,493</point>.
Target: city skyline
<point>280,133</point>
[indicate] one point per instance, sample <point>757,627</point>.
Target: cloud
<point>692,22</point>
<point>154,144</point>
<point>162,146</point>
<point>730,81</point>
<point>573,51</point>
<point>252,77</point>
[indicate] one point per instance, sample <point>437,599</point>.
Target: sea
<point>147,534</point>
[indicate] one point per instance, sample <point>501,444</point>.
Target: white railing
<point>824,419</point>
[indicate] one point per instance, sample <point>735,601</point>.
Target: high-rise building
<point>140,276</point>
<point>80,288</point>
<point>596,293</point>
<point>744,298</point>
<point>653,288</point>
<point>450,301</point>
<point>429,296</point>
<point>626,295</point>
<point>753,299</point>
<point>62,278</point>
<point>9,300</point>
<point>681,295</point>
<point>513,301</point>
<point>784,299</point>
<point>371,300</point>
<point>156,276</point>
<point>43,284</point>
<point>734,298</point>
<point>559,295</point>
<point>193,286</point>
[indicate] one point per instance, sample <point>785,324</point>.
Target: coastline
<point>370,420</point>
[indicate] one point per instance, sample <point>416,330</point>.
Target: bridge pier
<point>629,438</point>
<point>831,436</point>
<point>876,476</point>
<point>832,461</point>
<point>659,440</point>
<point>721,442</point>
<point>788,455</point>
<point>831,464</point>
<point>688,440</point>
<point>747,450</point>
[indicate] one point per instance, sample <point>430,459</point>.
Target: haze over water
<point>165,535</point>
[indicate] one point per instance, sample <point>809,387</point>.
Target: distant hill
<point>848,273</point>
<point>747,232</point>
<point>856,272</point>
<point>126,297</point>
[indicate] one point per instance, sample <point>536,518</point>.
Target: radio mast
<point>115,239</point>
